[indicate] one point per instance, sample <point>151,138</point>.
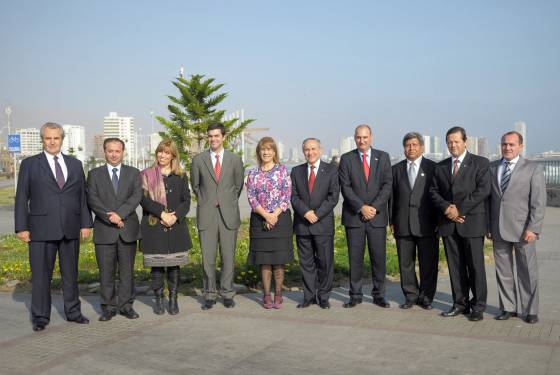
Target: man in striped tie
<point>517,204</point>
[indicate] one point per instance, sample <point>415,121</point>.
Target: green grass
<point>7,195</point>
<point>14,262</point>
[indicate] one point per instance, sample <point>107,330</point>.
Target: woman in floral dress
<point>269,190</point>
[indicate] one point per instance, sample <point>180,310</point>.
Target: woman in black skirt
<point>165,236</point>
<point>269,190</point>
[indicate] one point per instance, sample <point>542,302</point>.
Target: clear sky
<point>301,68</point>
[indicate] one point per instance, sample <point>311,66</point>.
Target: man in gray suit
<point>114,192</point>
<point>217,180</point>
<point>517,204</point>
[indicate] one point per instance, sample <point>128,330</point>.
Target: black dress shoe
<point>129,313</point>
<point>381,302</point>
<point>407,305</point>
<point>426,305</point>
<point>229,303</point>
<point>353,302</point>
<point>208,304</point>
<point>324,305</point>
<point>39,326</point>
<point>532,319</point>
<point>476,316</point>
<point>305,303</point>
<point>454,311</point>
<point>107,315</point>
<point>506,315</point>
<point>80,319</point>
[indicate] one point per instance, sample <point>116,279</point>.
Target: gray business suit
<point>521,207</point>
<point>115,248</point>
<point>217,217</point>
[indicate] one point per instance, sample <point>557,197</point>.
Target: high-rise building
<point>98,146</point>
<point>154,140</point>
<point>123,128</point>
<point>436,145</point>
<point>472,145</point>
<point>74,141</point>
<point>334,152</point>
<point>347,144</point>
<point>483,147</point>
<point>281,150</point>
<point>521,128</point>
<point>427,144</point>
<point>30,139</point>
<point>294,155</point>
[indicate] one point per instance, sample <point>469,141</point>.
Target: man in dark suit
<point>50,215</point>
<point>517,204</point>
<point>414,221</point>
<point>365,181</point>
<point>315,192</point>
<point>114,192</point>
<point>460,187</point>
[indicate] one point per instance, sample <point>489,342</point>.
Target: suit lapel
<point>516,171</point>
<point>494,168</point>
<point>304,182</point>
<point>47,168</point>
<point>404,174</point>
<point>464,167</point>
<point>373,161</point>
<point>225,164</point>
<point>447,170</point>
<point>420,176</point>
<point>208,162</point>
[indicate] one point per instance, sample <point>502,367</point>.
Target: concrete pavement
<point>251,340</point>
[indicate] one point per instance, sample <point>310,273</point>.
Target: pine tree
<point>191,113</point>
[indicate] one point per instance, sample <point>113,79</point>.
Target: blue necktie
<point>115,180</point>
<point>506,176</point>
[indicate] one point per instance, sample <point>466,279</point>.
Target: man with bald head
<point>315,193</point>
<point>366,182</point>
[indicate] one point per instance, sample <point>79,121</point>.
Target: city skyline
<point>318,71</point>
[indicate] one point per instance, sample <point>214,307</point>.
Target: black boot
<point>172,285</point>
<point>157,285</point>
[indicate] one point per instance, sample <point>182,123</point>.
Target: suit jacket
<point>412,211</point>
<point>43,208</point>
<point>522,205</point>
<point>356,192</point>
<point>322,199</point>
<point>210,191</point>
<point>101,198</point>
<point>468,191</point>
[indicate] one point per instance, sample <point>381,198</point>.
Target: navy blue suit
<point>53,216</point>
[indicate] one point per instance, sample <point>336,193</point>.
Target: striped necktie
<point>506,176</point>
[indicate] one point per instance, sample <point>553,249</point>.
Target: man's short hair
<point>413,135</point>
<point>111,140</point>
<point>457,129</point>
<point>310,139</point>
<point>51,125</point>
<point>519,136</point>
<point>217,125</point>
<point>361,126</point>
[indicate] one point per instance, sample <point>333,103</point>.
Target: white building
<point>281,151</point>
<point>30,139</point>
<point>347,144</point>
<point>115,126</point>
<point>154,140</point>
<point>75,141</point>
<point>472,145</point>
<point>294,155</point>
<point>521,128</point>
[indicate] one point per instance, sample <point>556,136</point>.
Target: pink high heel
<point>278,301</point>
<point>267,301</point>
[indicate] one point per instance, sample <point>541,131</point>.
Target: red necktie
<point>217,168</point>
<point>311,181</point>
<point>366,166</point>
<point>455,168</point>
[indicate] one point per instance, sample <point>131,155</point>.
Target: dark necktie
<point>366,166</point>
<point>58,173</point>
<point>311,181</point>
<point>506,176</point>
<point>218,168</point>
<point>115,180</point>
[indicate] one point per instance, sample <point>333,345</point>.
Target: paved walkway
<point>251,340</point>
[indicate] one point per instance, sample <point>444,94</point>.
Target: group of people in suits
<point>461,199</point>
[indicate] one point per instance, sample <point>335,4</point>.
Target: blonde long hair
<point>170,146</point>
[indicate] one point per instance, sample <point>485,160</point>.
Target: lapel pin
<point>376,159</point>
<point>422,174</point>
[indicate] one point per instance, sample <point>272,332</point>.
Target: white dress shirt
<point>368,156</point>
<point>50,159</point>
<point>213,157</point>
<point>316,164</point>
<point>460,158</point>
<point>110,169</point>
<point>502,166</point>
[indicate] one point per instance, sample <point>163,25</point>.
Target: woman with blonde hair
<point>165,237</point>
<point>269,189</point>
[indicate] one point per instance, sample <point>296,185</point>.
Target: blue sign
<point>14,143</point>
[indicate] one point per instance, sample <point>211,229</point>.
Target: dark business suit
<point>315,242</point>
<point>115,247</point>
<point>54,217</point>
<point>464,243</point>
<point>357,193</point>
<point>414,221</point>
